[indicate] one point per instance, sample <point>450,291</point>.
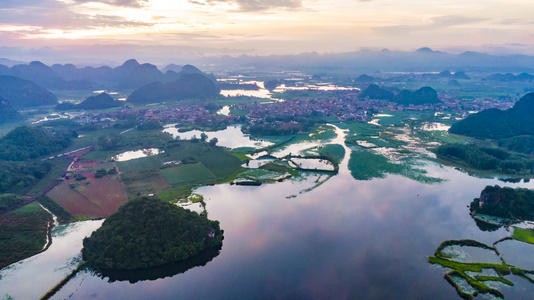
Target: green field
<point>205,165</point>
<point>58,166</point>
<point>523,235</point>
<point>139,164</point>
<point>22,233</point>
<point>186,174</point>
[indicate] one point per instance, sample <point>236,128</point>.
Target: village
<point>344,106</point>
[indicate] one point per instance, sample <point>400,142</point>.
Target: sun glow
<point>338,25</point>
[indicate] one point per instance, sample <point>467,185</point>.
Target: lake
<point>297,239</point>
<point>129,155</point>
<point>262,92</point>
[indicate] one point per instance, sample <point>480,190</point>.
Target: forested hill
<point>7,112</point>
<point>26,142</point>
<point>20,153</point>
<point>148,232</point>
<point>505,202</point>
<point>100,101</point>
<point>424,95</point>
<point>373,91</point>
<point>188,86</point>
<point>496,124</point>
<point>23,93</point>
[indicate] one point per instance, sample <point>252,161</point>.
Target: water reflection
<point>168,270</point>
<point>231,137</point>
<point>46,269</point>
<point>344,239</point>
<point>129,155</point>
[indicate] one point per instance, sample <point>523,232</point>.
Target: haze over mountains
<point>24,93</point>
<point>423,59</point>
<point>27,85</point>
<point>130,75</point>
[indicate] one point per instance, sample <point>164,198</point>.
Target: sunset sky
<point>214,27</point>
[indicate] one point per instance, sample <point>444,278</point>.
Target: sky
<point>155,28</point>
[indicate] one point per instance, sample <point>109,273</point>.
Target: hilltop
<point>424,95</point>
<point>187,86</point>
<point>100,101</point>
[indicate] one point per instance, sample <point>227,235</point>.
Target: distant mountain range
<point>422,60</point>
<point>24,86</point>
<point>363,61</point>
<point>510,77</point>
<point>130,75</point>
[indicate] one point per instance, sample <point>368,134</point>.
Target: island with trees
<point>505,202</point>
<point>148,232</point>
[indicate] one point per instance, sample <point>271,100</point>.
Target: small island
<point>148,232</point>
<point>514,204</point>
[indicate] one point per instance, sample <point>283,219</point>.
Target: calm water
<point>345,239</point>
<point>231,137</point>
<point>264,93</point>
<point>33,277</point>
<point>129,155</point>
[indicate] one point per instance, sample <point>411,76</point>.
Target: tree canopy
<point>494,123</point>
<point>505,202</point>
<point>147,232</point>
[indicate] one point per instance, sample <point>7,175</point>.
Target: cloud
<point>516,22</point>
<point>128,3</point>
<point>454,20</point>
<point>256,5</point>
<point>56,15</point>
<point>434,24</point>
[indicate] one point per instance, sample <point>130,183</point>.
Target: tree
<point>213,142</point>
<point>203,136</point>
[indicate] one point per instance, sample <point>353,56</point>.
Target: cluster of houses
<point>343,107</point>
<point>186,113</point>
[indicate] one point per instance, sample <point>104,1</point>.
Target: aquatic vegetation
<point>366,165</point>
<point>523,235</point>
<point>334,152</point>
<point>474,273</point>
<point>265,175</point>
